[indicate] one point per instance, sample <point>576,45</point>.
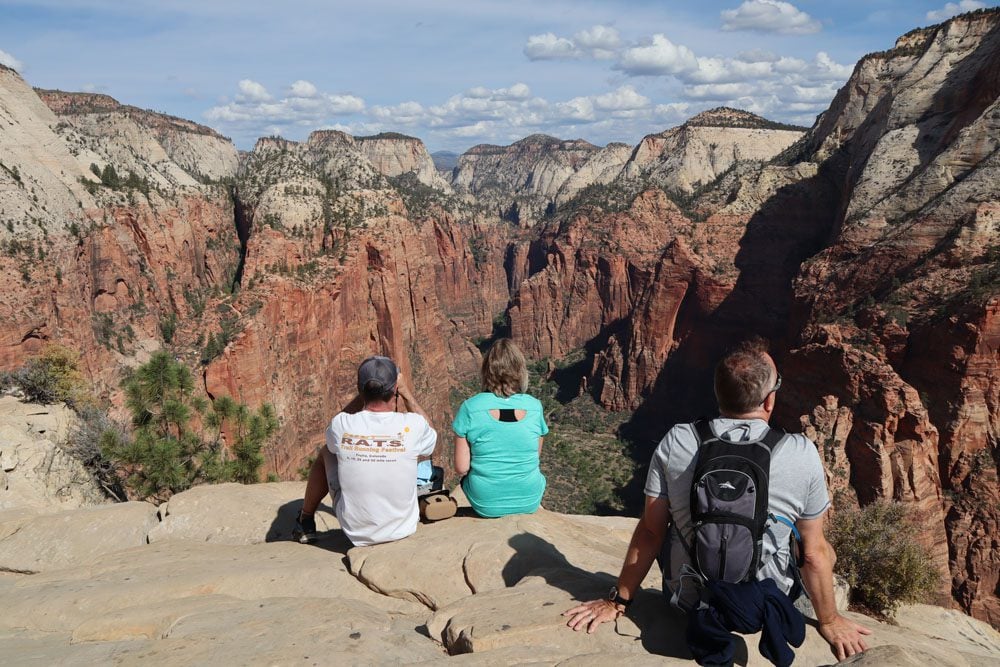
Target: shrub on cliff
<point>89,436</point>
<point>177,436</point>
<point>879,555</point>
<point>53,377</point>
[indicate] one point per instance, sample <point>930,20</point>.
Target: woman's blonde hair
<point>505,371</point>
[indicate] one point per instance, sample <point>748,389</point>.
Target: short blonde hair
<point>505,371</point>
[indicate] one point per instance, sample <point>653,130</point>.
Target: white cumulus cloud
<point>658,56</point>
<point>10,61</point>
<point>769,16</point>
<point>251,91</point>
<point>626,98</point>
<point>954,9</point>
<point>407,113</point>
<point>254,107</point>
<point>303,89</point>
<point>600,41</point>
<point>548,46</point>
<point>578,109</point>
<point>519,91</point>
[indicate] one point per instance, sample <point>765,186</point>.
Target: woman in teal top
<point>498,438</point>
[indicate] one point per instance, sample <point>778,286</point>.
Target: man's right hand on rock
<point>590,615</point>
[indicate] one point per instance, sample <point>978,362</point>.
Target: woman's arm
<point>540,441</point>
<point>463,456</point>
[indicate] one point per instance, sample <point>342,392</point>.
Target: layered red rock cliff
<point>342,269</point>
<point>868,253</point>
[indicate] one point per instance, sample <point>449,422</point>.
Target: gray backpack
<point>729,504</point>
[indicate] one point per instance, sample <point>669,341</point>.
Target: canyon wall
<point>866,250</point>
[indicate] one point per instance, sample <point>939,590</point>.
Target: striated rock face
<point>199,151</point>
<point>340,269</point>
<point>521,181</point>
<point>914,138</point>
<point>876,437</point>
<point>589,271</point>
<point>36,164</point>
<point>97,266</point>
<point>699,151</point>
<point>214,587</point>
<point>538,164</point>
<point>602,168</point>
<point>397,154</point>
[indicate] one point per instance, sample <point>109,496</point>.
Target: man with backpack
<point>730,493</point>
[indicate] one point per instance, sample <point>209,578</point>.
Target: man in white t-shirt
<point>369,462</point>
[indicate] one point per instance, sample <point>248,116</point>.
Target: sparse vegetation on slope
<point>729,117</point>
<point>878,553</point>
<point>51,377</point>
<point>584,460</point>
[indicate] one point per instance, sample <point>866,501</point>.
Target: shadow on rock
<point>332,539</point>
<point>651,619</point>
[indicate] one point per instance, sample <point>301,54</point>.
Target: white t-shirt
<point>377,472</point>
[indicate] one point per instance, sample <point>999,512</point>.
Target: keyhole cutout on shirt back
<point>508,415</point>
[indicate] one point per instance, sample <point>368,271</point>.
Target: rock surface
<point>35,473</point>
<point>465,590</point>
<point>702,149</point>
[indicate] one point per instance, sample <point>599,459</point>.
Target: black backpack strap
<point>772,438</point>
<point>704,430</point>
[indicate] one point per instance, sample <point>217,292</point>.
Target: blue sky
<point>456,72</point>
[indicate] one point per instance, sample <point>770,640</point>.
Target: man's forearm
<point>817,578</point>
<point>642,551</point>
<point>411,405</point>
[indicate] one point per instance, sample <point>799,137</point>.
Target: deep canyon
<point>866,249</point>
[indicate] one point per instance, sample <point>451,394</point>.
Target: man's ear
<point>769,401</point>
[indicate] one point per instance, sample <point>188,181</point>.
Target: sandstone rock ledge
<point>216,581</point>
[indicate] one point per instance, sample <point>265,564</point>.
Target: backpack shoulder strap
<point>704,431</point>
<point>772,438</point>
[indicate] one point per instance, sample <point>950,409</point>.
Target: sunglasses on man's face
<point>776,387</point>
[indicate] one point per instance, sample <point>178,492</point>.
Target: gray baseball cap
<point>380,369</point>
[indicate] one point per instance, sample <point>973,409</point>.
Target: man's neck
<point>756,414</point>
<point>379,406</point>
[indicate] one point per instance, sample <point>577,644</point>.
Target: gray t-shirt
<point>796,490</point>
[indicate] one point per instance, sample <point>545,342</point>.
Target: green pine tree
<point>170,449</point>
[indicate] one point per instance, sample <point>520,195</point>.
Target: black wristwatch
<point>615,598</point>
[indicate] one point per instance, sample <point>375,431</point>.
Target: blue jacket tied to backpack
<point>745,608</point>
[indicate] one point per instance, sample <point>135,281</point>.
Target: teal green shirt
<point>504,477</point>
